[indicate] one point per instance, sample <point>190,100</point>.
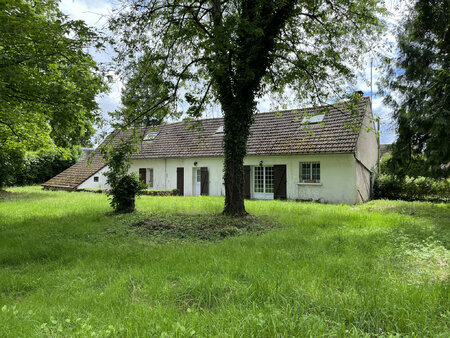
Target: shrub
<point>170,192</point>
<point>124,186</point>
<point>40,166</point>
<point>411,189</point>
<point>123,193</point>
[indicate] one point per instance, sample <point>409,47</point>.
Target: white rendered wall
<point>338,175</point>
<point>367,153</point>
<point>90,184</point>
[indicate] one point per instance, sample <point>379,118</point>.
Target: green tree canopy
<point>143,91</point>
<point>232,52</point>
<point>418,81</point>
<point>48,80</point>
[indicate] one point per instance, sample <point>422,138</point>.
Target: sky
<point>94,13</point>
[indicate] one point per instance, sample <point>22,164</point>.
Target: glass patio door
<point>197,182</point>
<point>263,183</point>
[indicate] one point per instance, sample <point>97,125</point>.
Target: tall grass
<point>68,268</point>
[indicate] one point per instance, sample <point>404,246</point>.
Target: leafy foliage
<point>417,166</point>
<point>48,80</point>
<point>42,165</point>
<point>418,82</point>
<point>11,162</point>
<point>143,90</point>
<point>411,189</point>
<point>123,185</point>
<point>200,53</point>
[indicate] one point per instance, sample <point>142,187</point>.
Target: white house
<point>306,154</point>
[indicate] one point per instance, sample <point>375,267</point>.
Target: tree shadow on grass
<point>342,263</point>
<point>77,235</point>
<point>6,196</point>
<point>45,238</point>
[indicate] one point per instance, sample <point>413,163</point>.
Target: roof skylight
<point>220,130</point>
<point>313,119</point>
<point>150,136</point>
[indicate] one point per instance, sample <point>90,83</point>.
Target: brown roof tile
<point>78,173</point>
<point>270,134</point>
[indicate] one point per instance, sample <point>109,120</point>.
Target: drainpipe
<point>379,146</point>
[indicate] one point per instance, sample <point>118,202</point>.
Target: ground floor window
<point>310,172</point>
<point>263,182</point>
<point>197,181</point>
<point>146,176</point>
<point>150,177</point>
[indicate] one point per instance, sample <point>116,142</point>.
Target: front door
<point>263,183</point>
<point>143,175</point>
<point>279,180</point>
<point>180,181</point>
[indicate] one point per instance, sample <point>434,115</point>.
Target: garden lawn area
<point>68,267</point>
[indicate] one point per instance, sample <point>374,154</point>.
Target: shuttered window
<point>310,172</point>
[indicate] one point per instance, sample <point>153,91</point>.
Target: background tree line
<point>48,83</point>
<point>36,167</point>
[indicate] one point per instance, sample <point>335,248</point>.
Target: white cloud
<point>93,12</point>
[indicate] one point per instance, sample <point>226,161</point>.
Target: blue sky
<point>94,13</point>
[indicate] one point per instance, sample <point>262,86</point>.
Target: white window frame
<point>197,187</point>
<point>150,136</point>
<point>310,179</point>
<point>220,130</point>
<point>313,119</point>
<point>262,195</point>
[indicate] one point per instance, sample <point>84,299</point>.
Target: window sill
<point>313,184</point>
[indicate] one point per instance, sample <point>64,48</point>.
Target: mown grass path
<point>68,268</point>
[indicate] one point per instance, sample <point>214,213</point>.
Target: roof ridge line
<point>365,98</point>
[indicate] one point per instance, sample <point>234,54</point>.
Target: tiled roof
<point>271,134</point>
<point>78,173</point>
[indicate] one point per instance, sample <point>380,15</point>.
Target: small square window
<point>95,178</point>
<point>310,172</point>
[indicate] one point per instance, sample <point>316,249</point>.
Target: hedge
<point>411,189</point>
<point>39,167</point>
<point>170,192</point>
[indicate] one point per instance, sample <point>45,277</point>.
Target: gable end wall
<point>367,153</point>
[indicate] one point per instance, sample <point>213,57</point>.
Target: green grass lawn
<point>70,268</point>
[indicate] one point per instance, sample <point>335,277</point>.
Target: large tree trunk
<point>234,185</point>
<point>237,74</point>
<point>238,119</point>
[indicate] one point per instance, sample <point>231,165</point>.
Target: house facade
<point>325,154</point>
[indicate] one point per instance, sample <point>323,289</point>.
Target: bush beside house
<point>411,188</point>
